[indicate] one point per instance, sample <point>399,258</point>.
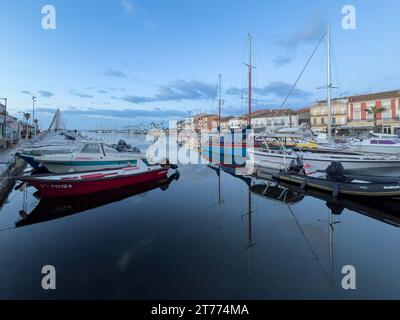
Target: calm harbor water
<point>209,234</point>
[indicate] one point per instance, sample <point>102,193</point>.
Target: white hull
<point>376,148</point>
<point>62,168</point>
<point>319,162</point>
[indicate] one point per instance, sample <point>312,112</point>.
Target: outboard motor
<point>296,166</point>
<point>335,172</point>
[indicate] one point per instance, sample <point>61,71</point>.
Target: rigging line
<point>337,75</point>
<point>236,70</point>
<point>308,243</point>
<point>262,63</point>
<point>298,78</point>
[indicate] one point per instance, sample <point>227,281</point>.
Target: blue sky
<point>117,62</point>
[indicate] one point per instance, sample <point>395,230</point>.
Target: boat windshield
<point>91,148</point>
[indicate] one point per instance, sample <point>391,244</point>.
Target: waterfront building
<point>237,122</point>
<point>379,111</point>
<point>263,119</point>
<point>319,114</point>
<point>224,123</point>
<point>304,116</point>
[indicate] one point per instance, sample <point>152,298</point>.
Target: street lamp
<point>5,116</point>
<point>33,113</point>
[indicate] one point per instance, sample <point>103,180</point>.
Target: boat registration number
<point>57,186</point>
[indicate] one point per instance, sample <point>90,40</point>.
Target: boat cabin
<point>96,148</point>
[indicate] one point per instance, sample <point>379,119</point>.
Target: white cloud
<point>128,6</point>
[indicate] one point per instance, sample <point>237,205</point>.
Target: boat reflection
<point>384,210</point>
<point>55,208</point>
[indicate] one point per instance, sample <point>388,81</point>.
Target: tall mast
<point>329,81</point>
<point>219,103</point>
<point>250,67</point>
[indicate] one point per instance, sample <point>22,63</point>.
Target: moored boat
<point>91,156</point>
<point>336,181</point>
<point>55,208</point>
<point>73,184</point>
<point>377,145</point>
<point>318,158</point>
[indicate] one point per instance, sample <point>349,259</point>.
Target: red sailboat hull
<point>67,188</point>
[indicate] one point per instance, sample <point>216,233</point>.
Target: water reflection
<point>55,208</point>
<point>384,210</point>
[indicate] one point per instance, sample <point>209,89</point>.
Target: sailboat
<point>231,147</point>
<point>281,158</point>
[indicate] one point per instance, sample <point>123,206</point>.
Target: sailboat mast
<point>219,102</point>
<point>250,67</point>
<point>329,81</point>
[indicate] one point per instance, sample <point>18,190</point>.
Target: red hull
<point>64,188</point>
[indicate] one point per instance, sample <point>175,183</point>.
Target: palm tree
<point>27,116</point>
<point>374,111</point>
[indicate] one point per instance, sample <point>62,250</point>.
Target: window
<point>91,148</point>
<point>357,112</point>
<point>333,120</point>
<point>322,120</point>
<point>387,112</point>
<point>315,121</point>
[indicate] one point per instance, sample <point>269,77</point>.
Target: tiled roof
<point>376,96</point>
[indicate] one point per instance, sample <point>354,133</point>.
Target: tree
<point>374,111</point>
<point>27,116</point>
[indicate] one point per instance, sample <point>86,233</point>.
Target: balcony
<point>389,119</point>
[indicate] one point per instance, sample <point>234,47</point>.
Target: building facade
<point>319,114</point>
<point>304,117</point>
<point>379,111</point>
<point>274,118</point>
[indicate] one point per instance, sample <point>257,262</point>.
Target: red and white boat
<point>80,183</point>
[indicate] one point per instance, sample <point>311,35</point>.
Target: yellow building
<point>319,114</point>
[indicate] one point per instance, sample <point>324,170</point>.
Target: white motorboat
<point>318,159</point>
<point>92,155</point>
<point>377,145</point>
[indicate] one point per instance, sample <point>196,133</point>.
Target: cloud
<point>310,32</point>
<point>79,94</point>
<point>281,89</point>
<point>128,6</point>
<point>26,92</point>
<point>273,94</point>
<point>277,89</point>
<point>45,94</point>
<point>102,91</point>
<point>178,91</point>
<point>281,61</point>
<point>114,73</point>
